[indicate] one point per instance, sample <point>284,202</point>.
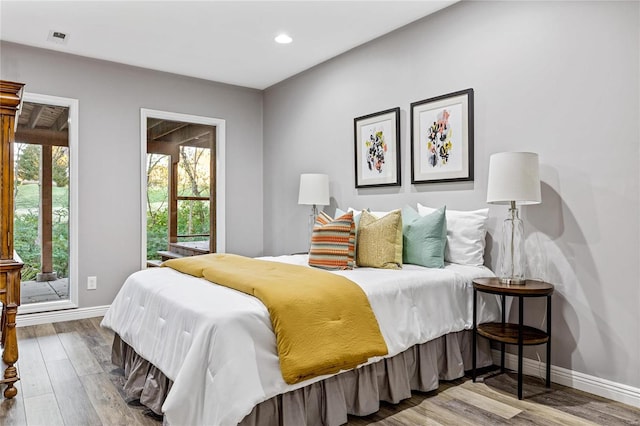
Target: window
<point>182,186</point>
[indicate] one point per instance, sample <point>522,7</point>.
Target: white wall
<point>110,97</point>
<point>558,78</point>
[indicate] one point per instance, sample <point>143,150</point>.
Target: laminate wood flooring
<point>67,379</point>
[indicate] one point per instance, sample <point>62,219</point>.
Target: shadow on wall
<point>559,252</point>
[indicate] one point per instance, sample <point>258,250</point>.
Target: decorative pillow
<point>376,214</point>
<point>380,241</point>
<point>424,237</point>
<point>333,242</point>
<point>356,215</point>
<point>466,232</point>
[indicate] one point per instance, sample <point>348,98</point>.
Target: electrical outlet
<point>92,283</point>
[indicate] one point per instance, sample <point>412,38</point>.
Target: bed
<point>200,353</point>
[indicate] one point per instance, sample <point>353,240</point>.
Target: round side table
<point>511,333</point>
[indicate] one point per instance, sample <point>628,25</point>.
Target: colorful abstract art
<point>377,144</point>
<point>442,138</point>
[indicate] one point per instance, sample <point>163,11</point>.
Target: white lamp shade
<point>513,176</point>
<point>314,189</point>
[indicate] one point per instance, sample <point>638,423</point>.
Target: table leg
<point>502,297</point>
<point>520,344</point>
<point>549,341</point>
<point>473,349</point>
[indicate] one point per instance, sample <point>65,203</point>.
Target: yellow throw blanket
<point>323,322</point>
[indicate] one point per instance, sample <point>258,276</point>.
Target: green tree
<point>60,166</point>
<point>28,167</point>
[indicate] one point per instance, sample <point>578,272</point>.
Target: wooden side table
<point>509,333</point>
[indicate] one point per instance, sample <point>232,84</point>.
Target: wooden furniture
<point>509,333</point>
<point>10,264</point>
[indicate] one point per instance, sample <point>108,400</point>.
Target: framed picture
<point>442,138</point>
<point>377,149</point>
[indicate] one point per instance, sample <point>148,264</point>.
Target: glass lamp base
<point>311,223</point>
<point>512,258</point>
<point>513,281</point>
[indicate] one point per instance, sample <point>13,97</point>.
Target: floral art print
<point>377,146</point>
<point>442,138</point>
<point>439,140</point>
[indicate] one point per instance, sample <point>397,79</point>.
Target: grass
<point>28,196</point>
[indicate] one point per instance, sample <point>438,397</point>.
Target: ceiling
<point>226,41</point>
<point>43,124</point>
<point>39,116</point>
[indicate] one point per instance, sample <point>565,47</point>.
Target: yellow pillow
<point>379,243</point>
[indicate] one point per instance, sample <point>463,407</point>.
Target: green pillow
<point>424,237</point>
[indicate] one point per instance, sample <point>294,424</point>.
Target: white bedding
<point>217,345</point>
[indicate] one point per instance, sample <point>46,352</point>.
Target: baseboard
<point>24,320</point>
<point>574,379</point>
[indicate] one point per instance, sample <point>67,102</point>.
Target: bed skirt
<point>357,392</point>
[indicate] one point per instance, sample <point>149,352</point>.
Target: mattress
<point>217,345</point>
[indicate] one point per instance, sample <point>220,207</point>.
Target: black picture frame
<point>442,138</point>
<point>377,149</point>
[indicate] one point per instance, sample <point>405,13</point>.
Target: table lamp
<point>513,180</point>
<point>314,191</point>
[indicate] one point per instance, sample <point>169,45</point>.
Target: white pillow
<point>379,215</point>
<point>466,232</point>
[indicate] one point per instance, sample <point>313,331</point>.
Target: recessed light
<point>283,39</point>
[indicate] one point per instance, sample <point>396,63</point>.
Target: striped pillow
<point>333,242</point>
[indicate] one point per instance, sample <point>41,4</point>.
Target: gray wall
<point>557,78</point>
<point>110,97</point>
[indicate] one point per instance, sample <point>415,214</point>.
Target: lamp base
<point>512,262</point>
<point>311,223</point>
<point>513,281</point>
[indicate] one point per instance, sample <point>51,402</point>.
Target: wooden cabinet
<point>10,264</point>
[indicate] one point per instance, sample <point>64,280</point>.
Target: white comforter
<point>218,347</point>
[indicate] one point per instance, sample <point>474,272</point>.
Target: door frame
<point>72,302</point>
<point>220,126</point>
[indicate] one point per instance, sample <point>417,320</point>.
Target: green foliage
<point>61,242</point>
<point>157,232</point>
<point>28,248</point>
<point>25,243</point>
<point>193,218</point>
<point>25,225</point>
<point>60,166</point>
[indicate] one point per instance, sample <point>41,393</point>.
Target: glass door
<point>42,203</point>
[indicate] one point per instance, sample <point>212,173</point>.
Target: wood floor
<point>68,379</point>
